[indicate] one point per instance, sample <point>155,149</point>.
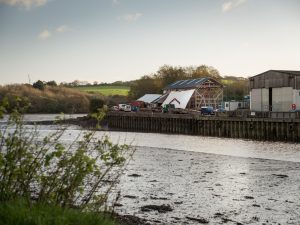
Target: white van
<point>125,107</point>
<point>122,107</point>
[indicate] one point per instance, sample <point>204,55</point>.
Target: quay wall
<point>262,129</point>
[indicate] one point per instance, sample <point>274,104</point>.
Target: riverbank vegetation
<point>42,170</point>
<point>20,212</point>
<point>45,98</point>
<point>50,99</point>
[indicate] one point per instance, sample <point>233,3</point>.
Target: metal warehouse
<point>207,92</point>
<point>275,90</point>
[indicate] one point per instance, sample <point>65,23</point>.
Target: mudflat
<point>165,186</point>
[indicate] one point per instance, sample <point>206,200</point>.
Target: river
<point>206,179</point>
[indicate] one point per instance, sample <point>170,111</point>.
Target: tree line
<point>235,88</point>
<point>78,83</point>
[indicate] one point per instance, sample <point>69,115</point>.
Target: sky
<point>110,40</point>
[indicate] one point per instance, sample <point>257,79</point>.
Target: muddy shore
<point>163,186</point>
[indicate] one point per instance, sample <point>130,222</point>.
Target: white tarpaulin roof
<point>148,98</point>
<point>179,98</point>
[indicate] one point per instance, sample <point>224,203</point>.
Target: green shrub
<point>39,85</point>
<point>45,170</point>
<point>95,104</point>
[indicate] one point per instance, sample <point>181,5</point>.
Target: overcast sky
<point>109,40</point>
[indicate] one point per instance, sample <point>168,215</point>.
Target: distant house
<point>205,92</point>
<point>234,105</point>
<point>275,90</point>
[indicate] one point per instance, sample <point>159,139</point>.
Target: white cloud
<point>115,2</point>
<point>45,34</point>
<point>132,17</point>
<point>24,3</point>
<point>62,29</point>
<point>229,5</point>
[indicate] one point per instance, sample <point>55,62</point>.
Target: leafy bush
<point>95,104</point>
<point>81,174</point>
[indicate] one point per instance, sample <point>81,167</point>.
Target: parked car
<point>207,110</point>
<point>127,108</point>
<point>114,108</point>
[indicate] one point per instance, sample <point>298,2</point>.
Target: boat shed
<point>275,90</point>
<point>207,91</point>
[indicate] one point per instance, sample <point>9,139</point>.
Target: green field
<point>105,90</point>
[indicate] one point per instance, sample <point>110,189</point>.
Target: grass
<point>21,213</point>
<point>105,90</point>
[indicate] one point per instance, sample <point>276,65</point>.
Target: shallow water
<point>45,117</point>
<point>224,146</point>
<point>214,145</point>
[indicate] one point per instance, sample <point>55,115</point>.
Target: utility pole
<point>29,80</point>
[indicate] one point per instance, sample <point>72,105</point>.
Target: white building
<point>232,105</point>
<point>275,90</point>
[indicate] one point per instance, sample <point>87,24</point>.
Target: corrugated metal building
<point>207,91</point>
<point>149,98</point>
<point>275,90</point>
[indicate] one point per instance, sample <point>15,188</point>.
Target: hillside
<point>49,100</point>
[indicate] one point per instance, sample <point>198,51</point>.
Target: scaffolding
<point>208,92</point>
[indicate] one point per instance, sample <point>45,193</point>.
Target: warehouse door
<point>270,99</point>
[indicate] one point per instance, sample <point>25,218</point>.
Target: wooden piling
<point>247,128</point>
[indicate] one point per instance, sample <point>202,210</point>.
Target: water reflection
<point>214,145</point>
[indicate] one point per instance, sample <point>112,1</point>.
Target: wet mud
<point>163,186</point>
